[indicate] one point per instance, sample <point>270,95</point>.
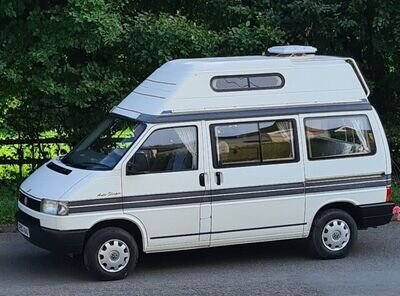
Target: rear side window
<point>247,82</point>
<point>339,136</point>
<point>253,143</point>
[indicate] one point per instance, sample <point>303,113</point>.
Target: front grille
<point>29,202</point>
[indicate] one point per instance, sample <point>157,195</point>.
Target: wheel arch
<point>347,206</point>
<point>134,227</point>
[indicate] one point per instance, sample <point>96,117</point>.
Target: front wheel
<point>333,234</point>
<point>110,253</point>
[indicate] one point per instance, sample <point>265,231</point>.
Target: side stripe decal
<point>344,187</point>
<point>227,231</point>
<point>220,195</point>
<point>346,180</point>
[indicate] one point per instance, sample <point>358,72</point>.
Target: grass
<point>396,194</point>
<point>8,204</point>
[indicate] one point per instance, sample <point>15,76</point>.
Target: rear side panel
<point>358,180</point>
<point>384,141</point>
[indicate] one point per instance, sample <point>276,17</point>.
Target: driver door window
<point>166,150</point>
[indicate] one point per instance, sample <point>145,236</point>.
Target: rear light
<point>388,194</point>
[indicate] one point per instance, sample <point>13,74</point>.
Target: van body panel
<point>99,186</point>
<point>174,216</point>
<point>347,173</point>
<point>206,205</point>
<point>46,183</point>
<point>331,81</point>
<point>255,205</point>
<point>385,143</point>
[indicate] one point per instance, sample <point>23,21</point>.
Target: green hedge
<point>8,204</point>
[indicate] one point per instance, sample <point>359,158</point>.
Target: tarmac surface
<point>278,268</point>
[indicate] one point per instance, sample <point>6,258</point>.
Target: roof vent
<point>292,50</point>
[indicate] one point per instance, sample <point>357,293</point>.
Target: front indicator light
<point>62,209</point>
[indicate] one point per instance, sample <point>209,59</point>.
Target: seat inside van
<point>323,146</point>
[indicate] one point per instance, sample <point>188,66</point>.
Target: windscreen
<point>103,148</point>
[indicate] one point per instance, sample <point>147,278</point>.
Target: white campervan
<point>219,151</point>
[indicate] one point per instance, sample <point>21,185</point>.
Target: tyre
<point>333,234</point>
<point>110,253</point>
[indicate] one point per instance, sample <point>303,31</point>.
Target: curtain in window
<point>285,129</point>
<point>188,137</point>
<point>356,124</point>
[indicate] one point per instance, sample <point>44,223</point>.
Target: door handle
<point>219,178</point>
<point>202,180</point>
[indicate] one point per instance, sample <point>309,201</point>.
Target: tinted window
<point>237,143</point>
<point>105,145</point>
<point>230,83</point>
<point>170,149</point>
<point>339,136</point>
<point>247,82</point>
<point>269,81</point>
<point>277,140</point>
<point>253,143</point>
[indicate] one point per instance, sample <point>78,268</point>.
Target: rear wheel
<point>110,253</point>
<point>333,234</point>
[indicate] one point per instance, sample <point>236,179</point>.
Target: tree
<point>64,64</point>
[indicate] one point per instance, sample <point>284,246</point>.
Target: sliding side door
<point>257,180</point>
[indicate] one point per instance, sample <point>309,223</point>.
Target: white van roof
<point>186,86</point>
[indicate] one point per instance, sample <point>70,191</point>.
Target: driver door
<point>164,185</point>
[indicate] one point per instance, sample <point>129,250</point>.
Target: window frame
<point>373,152</point>
<point>261,162</point>
<point>248,76</point>
<point>163,172</point>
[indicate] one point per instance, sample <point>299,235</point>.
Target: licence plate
<point>23,229</point>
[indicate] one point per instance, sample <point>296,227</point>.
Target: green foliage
<point>396,194</point>
<point>65,63</point>
<point>56,60</point>
<point>8,207</point>
<point>152,40</point>
<point>367,30</point>
<point>393,136</point>
<point>8,201</point>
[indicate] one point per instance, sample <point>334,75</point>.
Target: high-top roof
<point>184,85</point>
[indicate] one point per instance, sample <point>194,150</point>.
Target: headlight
<point>53,207</point>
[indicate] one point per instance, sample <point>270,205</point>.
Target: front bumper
<point>67,242</point>
<point>375,214</point>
